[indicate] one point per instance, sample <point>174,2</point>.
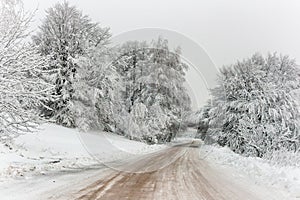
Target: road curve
<point>174,173</point>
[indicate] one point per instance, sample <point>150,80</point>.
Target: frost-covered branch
<point>21,88</point>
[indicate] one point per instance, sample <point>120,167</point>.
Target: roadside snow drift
<point>55,148</point>
<point>284,179</point>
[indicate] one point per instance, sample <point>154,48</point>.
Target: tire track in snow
<point>174,173</point>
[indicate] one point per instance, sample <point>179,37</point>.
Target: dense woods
<point>67,72</point>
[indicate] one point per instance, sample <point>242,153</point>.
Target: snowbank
<point>285,179</point>
<point>55,148</point>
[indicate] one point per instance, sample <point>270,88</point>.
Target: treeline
<point>254,109</point>
<point>70,74</point>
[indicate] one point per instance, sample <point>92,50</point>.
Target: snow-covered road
<point>174,173</point>
<point>118,168</point>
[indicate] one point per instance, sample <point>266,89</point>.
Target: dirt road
<point>174,173</point>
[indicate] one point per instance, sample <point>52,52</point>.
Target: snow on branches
<point>65,36</point>
<point>253,110</point>
<point>21,88</point>
<point>154,96</point>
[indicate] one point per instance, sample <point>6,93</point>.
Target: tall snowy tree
<point>65,35</point>
<point>131,57</point>
<point>254,111</point>
<point>154,96</point>
<point>22,90</point>
<point>97,100</point>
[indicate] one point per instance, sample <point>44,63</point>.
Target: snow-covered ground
<point>53,151</point>
<point>284,179</point>
<point>45,161</point>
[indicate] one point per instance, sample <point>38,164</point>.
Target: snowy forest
<point>67,72</point>
<point>86,113</point>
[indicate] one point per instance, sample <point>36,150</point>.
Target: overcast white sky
<point>227,29</point>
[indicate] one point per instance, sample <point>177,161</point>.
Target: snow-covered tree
<point>22,90</point>
<point>253,110</point>
<point>129,64</point>
<point>153,77</point>
<point>97,101</point>
<point>64,35</point>
<point>203,120</point>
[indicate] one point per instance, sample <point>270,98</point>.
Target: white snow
<point>284,179</point>
<point>55,150</point>
<point>40,163</point>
